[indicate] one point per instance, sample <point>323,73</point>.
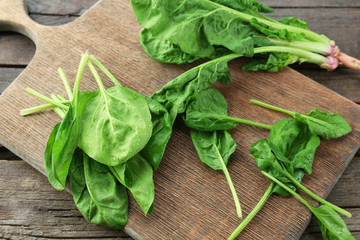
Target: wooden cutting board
<point>192,201</point>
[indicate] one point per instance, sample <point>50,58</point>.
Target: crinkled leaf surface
<point>211,145</point>
<point>326,125</point>
<point>195,27</point>
<point>176,93</point>
<point>137,175</point>
<point>161,133</point>
<point>97,194</point>
<point>116,125</point>
<point>291,146</point>
<point>208,112</point>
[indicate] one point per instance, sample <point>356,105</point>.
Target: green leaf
<point>176,93</point>
<point>207,111</point>
<point>97,194</point>
<point>294,21</point>
<point>116,125</point>
<point>332,226</point>
<point>251,7</point>
<point>181,31</point>
<point>214,149</point>
<point>290,148</point>
<point>282,33</point>
<point>209,144</point>
<point>48,160</point>
<point>66,140</point>
<point>162,50</point>
<point>296,142</point>
<point>326,125</point>
<point>162,129</point>
<point>137,175</point>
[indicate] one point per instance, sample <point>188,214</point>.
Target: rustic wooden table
<point>30,208</point>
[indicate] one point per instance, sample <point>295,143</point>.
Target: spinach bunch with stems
<point>183,31</point>
<point>109,140</point>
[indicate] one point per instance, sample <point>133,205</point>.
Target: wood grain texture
<point>168,170</point>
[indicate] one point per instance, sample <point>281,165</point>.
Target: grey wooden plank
<point>59,7</point>
<point>7,75</point>
<point>16,49</point>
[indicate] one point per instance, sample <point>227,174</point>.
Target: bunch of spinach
<point>109,140</point>
<point>182,31</point>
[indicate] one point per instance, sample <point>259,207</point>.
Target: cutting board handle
<point>14,17</point>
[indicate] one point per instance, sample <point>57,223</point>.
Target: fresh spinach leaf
<point>97,194</point>
<point>48,160</point>
<point>207,111</point>
<point>326,125</point>
<point>289,151</point>
<point>66,139</point>
<point>176,93</point>
<point>332,226</point>
<point>137,175</point>
<point>116,125</point>
<point>214,149</point>
<point>162,129</point>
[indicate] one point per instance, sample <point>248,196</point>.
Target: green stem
<point>322,48</point>
<point>231,185</point>
<point>66,83</point>
<point>57,110</point>
<point>97,77</point>
<point>104,70</point>
<point>83,62</point>
<point>271,107</point>
<point>317,198</point>
<point>252,214</point>
<point>308,56</point>
<point>32,110</point>
<point>247,122</point>
<point>46,99</point>
<point>289,190</point>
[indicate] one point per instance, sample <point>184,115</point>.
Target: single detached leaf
<point>332,226</point>
<point>326,125</point>
<point>116,125</point>
<point>209,145</point>
<point>176,93</point>
<point>208,112</point>
<point>162,129</point>
<point>137,175</point>
<point>97,194</point>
